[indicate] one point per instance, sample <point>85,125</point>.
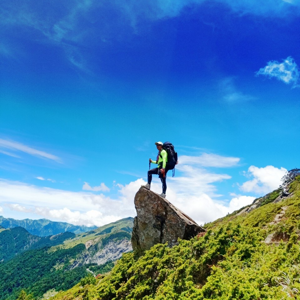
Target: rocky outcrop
<point>158,221</point>
<point>100,255</point>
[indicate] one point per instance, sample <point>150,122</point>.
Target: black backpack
<point>172,155</point>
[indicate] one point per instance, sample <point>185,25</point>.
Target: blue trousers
<point>156,171</point>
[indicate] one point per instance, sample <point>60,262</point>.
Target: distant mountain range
<point>14,241</point>
<point>44,227</point>
<point>39,264</point>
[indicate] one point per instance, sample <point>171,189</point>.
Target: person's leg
<point>150,173</point>
<point>164,181</point>
<point>164,184</point>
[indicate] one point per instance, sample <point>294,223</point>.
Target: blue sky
<point>86,88</point>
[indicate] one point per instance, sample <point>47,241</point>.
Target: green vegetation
<point>24,296</point>
<point>16,240</point>
<point>232,261</point>
<point>101,269</point>
<point>118,236</point>
<point>271,197</point>
<point>38,268</point>
<point>105,233</point>
<point>36,271</point>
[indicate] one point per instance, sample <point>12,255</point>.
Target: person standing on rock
<point>161,170</point>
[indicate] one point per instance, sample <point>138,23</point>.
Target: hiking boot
<point>147,186</point>
<point>163,195</point>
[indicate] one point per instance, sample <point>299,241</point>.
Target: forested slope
<point>61,266</point>
<point>251,254</point>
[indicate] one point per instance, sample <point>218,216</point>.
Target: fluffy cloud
<point>73,207</point>
<point>89,218</point>
<point>15,146</point>
<point>102,187</point>
<point>1,209</point>
<point>20,208</point>
<point>264,179</point>
<point>240,201</point>
<point>287,71</point>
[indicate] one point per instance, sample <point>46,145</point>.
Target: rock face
<point>158,221</point>
<point>110,252</point>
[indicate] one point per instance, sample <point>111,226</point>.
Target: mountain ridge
<point>61,266</point>
<point>16,240</point>
<point>44,227</point>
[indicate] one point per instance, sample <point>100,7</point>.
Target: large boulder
<point>159,221</point>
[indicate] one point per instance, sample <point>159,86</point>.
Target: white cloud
<point>15,146</point>
<point>231,93</point>
<point>237,97</point>
<point>287,71</point>
<point>264,181</point>
<point>89,218</point>
<point>102,187</point>
<point>73,207</point>
<point>18,207</point>
<point>239,202</point>
<point>1,209</point>
<point>9,154</point>
<point>43,179</point>
<point>194,181</point>
<point>209,160</point>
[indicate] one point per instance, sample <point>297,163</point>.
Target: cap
<point>159,143</point>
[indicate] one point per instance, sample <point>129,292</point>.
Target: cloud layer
<point>193,190</point>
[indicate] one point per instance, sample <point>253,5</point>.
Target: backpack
<point>172,155</point>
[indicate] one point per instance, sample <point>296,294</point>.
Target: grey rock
<point>110,252</point>
<point>159,221</point>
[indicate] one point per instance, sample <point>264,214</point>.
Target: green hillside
<point>61,266</point>
<point>109,231</point>
<point>43,227</point>
<point>16,240</point>
<point>251,254</point>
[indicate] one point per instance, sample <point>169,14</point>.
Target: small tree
<point>24,296</point>
<point>90,279</point>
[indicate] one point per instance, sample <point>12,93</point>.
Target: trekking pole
<point>149,164</point>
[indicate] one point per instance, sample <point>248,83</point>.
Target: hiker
<point>161,170</point>
<point>166,161</point>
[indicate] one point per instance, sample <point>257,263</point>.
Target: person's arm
<point>153,161</point>
<point>164,158</point>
